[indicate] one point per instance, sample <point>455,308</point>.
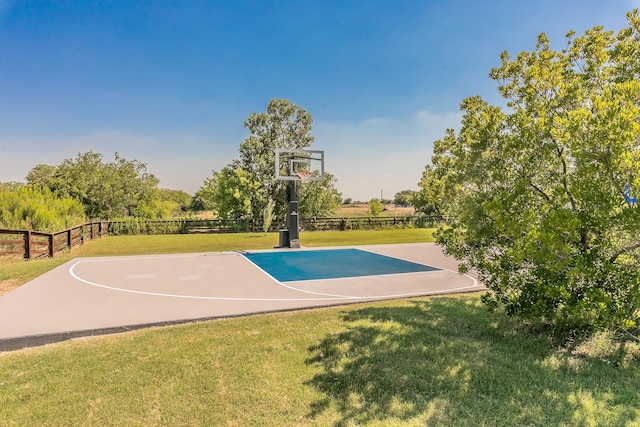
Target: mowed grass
<point>443,361</point>
<point>15,272</point>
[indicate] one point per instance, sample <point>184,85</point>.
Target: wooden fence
<point>141,226</point>
<point>35,244</point>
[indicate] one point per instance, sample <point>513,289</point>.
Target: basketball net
<point>304,176</point>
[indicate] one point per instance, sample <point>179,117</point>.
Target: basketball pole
<point>293,221</point>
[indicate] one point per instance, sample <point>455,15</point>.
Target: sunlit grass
<point>424,361</point>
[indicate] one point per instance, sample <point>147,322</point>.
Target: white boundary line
<point>131,291</point>
<point>328,297</point>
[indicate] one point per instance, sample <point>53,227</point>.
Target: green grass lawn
<point>443,361</point>
<point>423,361</point>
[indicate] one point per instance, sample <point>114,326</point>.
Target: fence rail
<point>141,226</point>
<point>34,244</point>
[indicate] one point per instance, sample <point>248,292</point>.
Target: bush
<point>24,207</point>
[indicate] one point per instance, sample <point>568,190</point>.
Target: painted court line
<point>200,297</point>
<point>324,296</point>
<point>97,296</point>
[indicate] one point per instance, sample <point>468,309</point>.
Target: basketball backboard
<point>296,165</point>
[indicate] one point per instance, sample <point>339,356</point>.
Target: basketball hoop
<point>303,176</point>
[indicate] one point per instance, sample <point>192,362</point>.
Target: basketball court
<point>94,296</point>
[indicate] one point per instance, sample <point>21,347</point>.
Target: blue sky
<point>169,83</point>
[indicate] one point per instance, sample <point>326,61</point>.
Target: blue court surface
<point>330,264</point>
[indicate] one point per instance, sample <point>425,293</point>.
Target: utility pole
<point>380,195</point>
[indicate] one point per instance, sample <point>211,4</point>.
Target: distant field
<point>363,210</point>
<point>359,209</point>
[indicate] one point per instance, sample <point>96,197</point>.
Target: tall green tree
<point>282,125</point>
<point>543,192</point>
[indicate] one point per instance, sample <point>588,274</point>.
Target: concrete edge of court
<point>20,343</point>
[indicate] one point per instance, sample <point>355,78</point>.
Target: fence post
<point>27,244</point>
<point>69,241</point>
<point>50,244</point>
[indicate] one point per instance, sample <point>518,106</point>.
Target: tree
<point>375,207</point>
<point>41,175</point>
<point>319,198</point>
<point>427,200</point>
<point>205,197</point>
<point>235,192</point>
<point>543,192</point>
<point>283,125</point>
<point>117,189</point>
<point>179,198</point>
<point>404,198</point>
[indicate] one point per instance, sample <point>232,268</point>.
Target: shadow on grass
<point>447,361</point>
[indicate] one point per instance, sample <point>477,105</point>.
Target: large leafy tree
<point>282,125</point>
<point>543,192</point>
<point>106,190</point>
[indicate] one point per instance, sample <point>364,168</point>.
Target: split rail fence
<point>35,244</point>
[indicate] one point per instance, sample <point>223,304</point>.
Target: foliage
<point>283,125</point>
<point>404,198</point>
<point>41,175</point>
<point>375,207</point>
<point>136,226</point>
<point>267,215</point>
<point>205,197</point>
<point>538,191</point>
<point>106,190</point>
<point>319,198</point>
<point>23,207</point>
<point>428,199</point>
<point>179,198</point>
<point>234,193</point>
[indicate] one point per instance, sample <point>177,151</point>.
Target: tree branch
<point>535,187</point>
<point>565,183</point>
<point>623,251</point>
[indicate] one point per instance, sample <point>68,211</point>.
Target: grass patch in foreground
<point>14,273</point>
<point>425,361</point>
